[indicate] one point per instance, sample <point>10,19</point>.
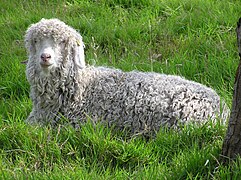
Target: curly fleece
<point>137,101</point>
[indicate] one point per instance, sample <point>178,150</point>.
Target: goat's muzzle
<point>45,60</point>
<point>45,57</point>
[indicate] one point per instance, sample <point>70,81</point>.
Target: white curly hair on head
<point>41,40</point>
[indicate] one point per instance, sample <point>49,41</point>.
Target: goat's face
<point>54,49</point>
<point>48,53</point>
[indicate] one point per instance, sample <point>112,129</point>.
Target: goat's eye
<point>62,42</point>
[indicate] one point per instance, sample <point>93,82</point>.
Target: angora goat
<point>63,86</point>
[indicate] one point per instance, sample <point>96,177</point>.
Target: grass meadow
<point>191,38</point>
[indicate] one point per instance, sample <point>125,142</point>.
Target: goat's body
<point>147,101</point>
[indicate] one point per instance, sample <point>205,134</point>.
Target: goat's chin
<point>46,70</point>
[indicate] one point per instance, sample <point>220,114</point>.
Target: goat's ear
<point>24,62</point>
<point>79,56</point>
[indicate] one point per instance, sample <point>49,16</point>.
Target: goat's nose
<point>45,57</point>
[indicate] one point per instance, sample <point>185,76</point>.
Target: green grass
<point>192,38</point>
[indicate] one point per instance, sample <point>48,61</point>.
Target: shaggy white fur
<point>62,85</point>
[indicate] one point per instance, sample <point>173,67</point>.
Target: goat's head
<point>51,45</point>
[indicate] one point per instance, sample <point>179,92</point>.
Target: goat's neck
<point>51,90</point>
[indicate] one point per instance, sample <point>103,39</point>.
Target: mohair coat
<point>137,101</point>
